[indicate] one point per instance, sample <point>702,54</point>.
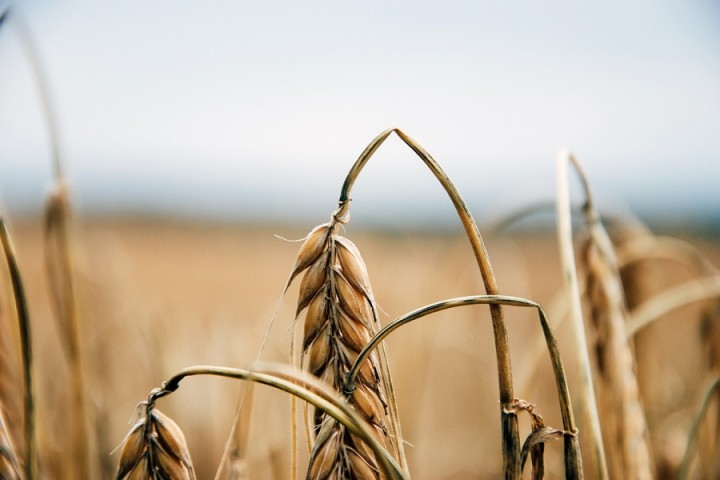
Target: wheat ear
<point>155,448</point>
<point>339,320</point>
<point>624,426</point>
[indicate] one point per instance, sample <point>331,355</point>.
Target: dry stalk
<point>21,310</point>
<point>234,464</point>
<point>509,426</point>
<point>712,393</point>
<point>624,426</point>
<point>298,384</point>
<point>59,268</point>
<point>567,255</point>
<point>340,318</point>
<point>699,289</point>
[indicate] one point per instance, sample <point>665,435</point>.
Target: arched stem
<point>573,460</point>
<point>299,385</point>
<point>510,435</point>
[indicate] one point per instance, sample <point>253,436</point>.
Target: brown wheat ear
<point>154,449</point>
<point>622,415</point>
<point>340,319</point>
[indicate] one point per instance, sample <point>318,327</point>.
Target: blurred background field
<point>160,296</point>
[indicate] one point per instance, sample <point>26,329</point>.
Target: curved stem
<point>573,460</point>
<point>692,434</point>
<point>301,386</point>
<point>510,435</point>
<point>31,52</point>
<point>26,346</point>
<point>692,291</point>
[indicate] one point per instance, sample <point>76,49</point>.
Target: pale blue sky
<point>227,108</point>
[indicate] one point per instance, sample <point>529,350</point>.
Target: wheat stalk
<point>567,255</point>
<point>711,394</point>
<point>59,264</point>
<point>299,385</point>
<point>509,427</point>
<point>573,459</point>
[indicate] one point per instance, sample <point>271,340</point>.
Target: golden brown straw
<point>567,256</point>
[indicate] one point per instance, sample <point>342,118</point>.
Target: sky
<point>251,110</point>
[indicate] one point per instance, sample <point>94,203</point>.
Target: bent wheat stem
<point>302,386</point>
<point>510,435</point>
<point>573,460</point>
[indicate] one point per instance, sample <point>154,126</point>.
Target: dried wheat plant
<point>340,319</point>
<point>624,426</point>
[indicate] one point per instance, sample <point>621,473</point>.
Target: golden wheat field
<point>155,297</point>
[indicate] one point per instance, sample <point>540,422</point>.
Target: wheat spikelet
<point>340,319</point>
<point>154,449</point>
<point>624,426</point>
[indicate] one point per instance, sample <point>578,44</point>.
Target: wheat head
<point>155,448</point>
<point>622,415</point>
<point>340,319</point>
